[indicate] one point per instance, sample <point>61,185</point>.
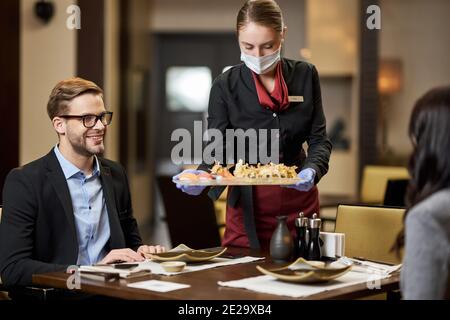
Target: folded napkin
<point>110,270</point>
<point>365,266</point>
<point>158,285</point>
<point>156,268</point>
<point>270,285</point>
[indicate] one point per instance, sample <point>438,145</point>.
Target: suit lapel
<point>56,177</point>
<point>116,240</point>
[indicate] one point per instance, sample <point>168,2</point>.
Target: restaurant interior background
<point>156,59</point>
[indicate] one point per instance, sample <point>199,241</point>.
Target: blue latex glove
<point>191,190</point>
<point>307,175</point>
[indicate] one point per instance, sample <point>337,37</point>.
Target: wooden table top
<point>204,284</point>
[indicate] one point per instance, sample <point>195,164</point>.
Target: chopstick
<point>374,261</point>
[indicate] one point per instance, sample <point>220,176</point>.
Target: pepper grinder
<point>314,242</point>
<point>301,246</point>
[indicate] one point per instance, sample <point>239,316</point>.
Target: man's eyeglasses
<point>90,120</point>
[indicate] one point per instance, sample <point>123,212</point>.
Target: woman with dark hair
<point>267,92</point>
<point>426,234</point>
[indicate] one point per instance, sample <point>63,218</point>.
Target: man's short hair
<point>65,91</point>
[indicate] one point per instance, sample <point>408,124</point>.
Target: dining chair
<point>375,179</point>
<point>220,207</point>
<point>190,219</point>
<point>3,294</point>
<point>395,193</point>
<point>375,190</point>
<point>370,231</point>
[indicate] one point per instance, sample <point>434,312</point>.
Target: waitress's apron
<point>268,202</point>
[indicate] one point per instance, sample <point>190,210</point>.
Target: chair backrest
<point>395,193</point>
<point>374,182</point>
<point>369,231</point>
<point>191,219</point>
<point>0,222</point>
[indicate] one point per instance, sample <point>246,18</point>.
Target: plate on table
<point>186,254</point>
<point>303,271</point>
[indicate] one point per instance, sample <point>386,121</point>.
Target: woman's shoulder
<point>434,209</point>
<point>298,65</point>
<point>231,73</point>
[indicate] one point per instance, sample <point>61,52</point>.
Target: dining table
<point>203,285</point>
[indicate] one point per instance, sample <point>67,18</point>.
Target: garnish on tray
<point>270,170</point>
<point>244,174</point>
<point>219,171</point>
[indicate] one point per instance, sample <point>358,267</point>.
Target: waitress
<point>269,92</point>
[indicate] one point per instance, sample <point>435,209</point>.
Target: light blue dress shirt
<point>89,209</point>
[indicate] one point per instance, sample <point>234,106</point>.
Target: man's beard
<point>80,146</point>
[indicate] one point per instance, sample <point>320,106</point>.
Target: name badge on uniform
<point>295,98</point>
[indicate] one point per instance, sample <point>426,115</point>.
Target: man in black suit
<point>71,206</point>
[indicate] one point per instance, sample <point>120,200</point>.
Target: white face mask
<point>261,65</point>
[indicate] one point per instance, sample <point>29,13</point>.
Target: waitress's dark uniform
<point>234,104</point>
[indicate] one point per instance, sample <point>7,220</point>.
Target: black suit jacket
<point>37,230</point>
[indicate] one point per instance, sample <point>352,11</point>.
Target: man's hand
<point>150,249</point>
<point>121,255</point>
